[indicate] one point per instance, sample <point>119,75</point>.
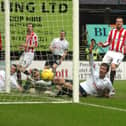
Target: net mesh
<point>48,18</point>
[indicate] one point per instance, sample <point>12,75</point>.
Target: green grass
<point>68,114</point>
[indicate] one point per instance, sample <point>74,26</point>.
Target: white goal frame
<point>75,48</point>
<point>7,45</point>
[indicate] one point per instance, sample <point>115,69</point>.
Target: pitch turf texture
<point>110,112</point>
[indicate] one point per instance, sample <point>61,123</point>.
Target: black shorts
<point>82,91</point>
<point>53,59</point>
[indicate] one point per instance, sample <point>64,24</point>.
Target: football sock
<point>112,75</point>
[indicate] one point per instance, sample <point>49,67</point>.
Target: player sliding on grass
<point>39,79</point>
<point>13,79</point>
<point>96,85</point>
<point>117,47</point>
<point>43,80</point>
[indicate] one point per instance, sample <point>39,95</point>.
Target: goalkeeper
<point>43,80</point>
<point>38,78</point>
<point>97,85</point>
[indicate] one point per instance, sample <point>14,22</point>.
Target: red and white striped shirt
<point>31,40</point>
<point>117,40</point>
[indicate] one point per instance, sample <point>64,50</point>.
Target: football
<point>47,74</point>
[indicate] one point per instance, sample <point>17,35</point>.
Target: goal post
<point>7,45</point>
<point>76,51</point>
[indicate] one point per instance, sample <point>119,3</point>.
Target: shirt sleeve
<point>106,84</point>
<point>44,83</point>
<point>36,40</point>
<point>53,43</point>
<point>67,45</point>
<point>13,81</point>
<point>92,64</point>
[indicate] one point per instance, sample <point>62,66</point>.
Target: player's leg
<point>21,62</point>
<point>57,59</point>
<point>107,58</point>
<point>113,72</point>
<point>25,61</point>
<point>117,59</point>
<point>49,62</point>
<point>65,87</point>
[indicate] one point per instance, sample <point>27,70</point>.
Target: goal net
<point>30,79</point>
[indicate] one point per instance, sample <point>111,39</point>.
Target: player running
<point>59,48</point>
<point>117,47</point>
<point>96,85</point>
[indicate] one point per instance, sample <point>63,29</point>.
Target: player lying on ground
<point>39,79</point>
<point>28,47</point>
<point>96,85</point>
<point>59,48</point>
<point>117,47</point>
<point>44,81</point>
<point>13,79</point>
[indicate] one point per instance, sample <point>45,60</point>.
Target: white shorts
<point>113,57</point>
<point>26,59</point>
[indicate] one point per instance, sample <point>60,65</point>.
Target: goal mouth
<point>28,29</point>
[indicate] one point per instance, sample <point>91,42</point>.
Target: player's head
<point>119,22</point>
<point>29,27</point>
<point>62,35</point>
<point>104,68</point>
<point>93,41</point>
<point>13,69</point>
<point>35,74</point>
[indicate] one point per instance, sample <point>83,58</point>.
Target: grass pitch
<point>69,114</point>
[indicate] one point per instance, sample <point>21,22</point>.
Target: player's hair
<point>30,24</point>
<point>93,40</point>
<point>105,65</point>
<point>119,17</point>
<point>33,71</point>
<point>63,31</point>
<point>14,65</point>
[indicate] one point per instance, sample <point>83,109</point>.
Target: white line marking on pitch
<point>104,107</point>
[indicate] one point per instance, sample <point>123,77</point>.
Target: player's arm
<point>108,42</point>
<point>43,83</point>
<point>51,47</point>
<point>63,57</point>
<point>14,82</point>
<point>65,53</point>
<point>103,92</point>
<point>107,89</point>
<point>91,61</point>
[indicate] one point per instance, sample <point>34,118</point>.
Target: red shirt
<point>31,40</point>
<point>117,40</point>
